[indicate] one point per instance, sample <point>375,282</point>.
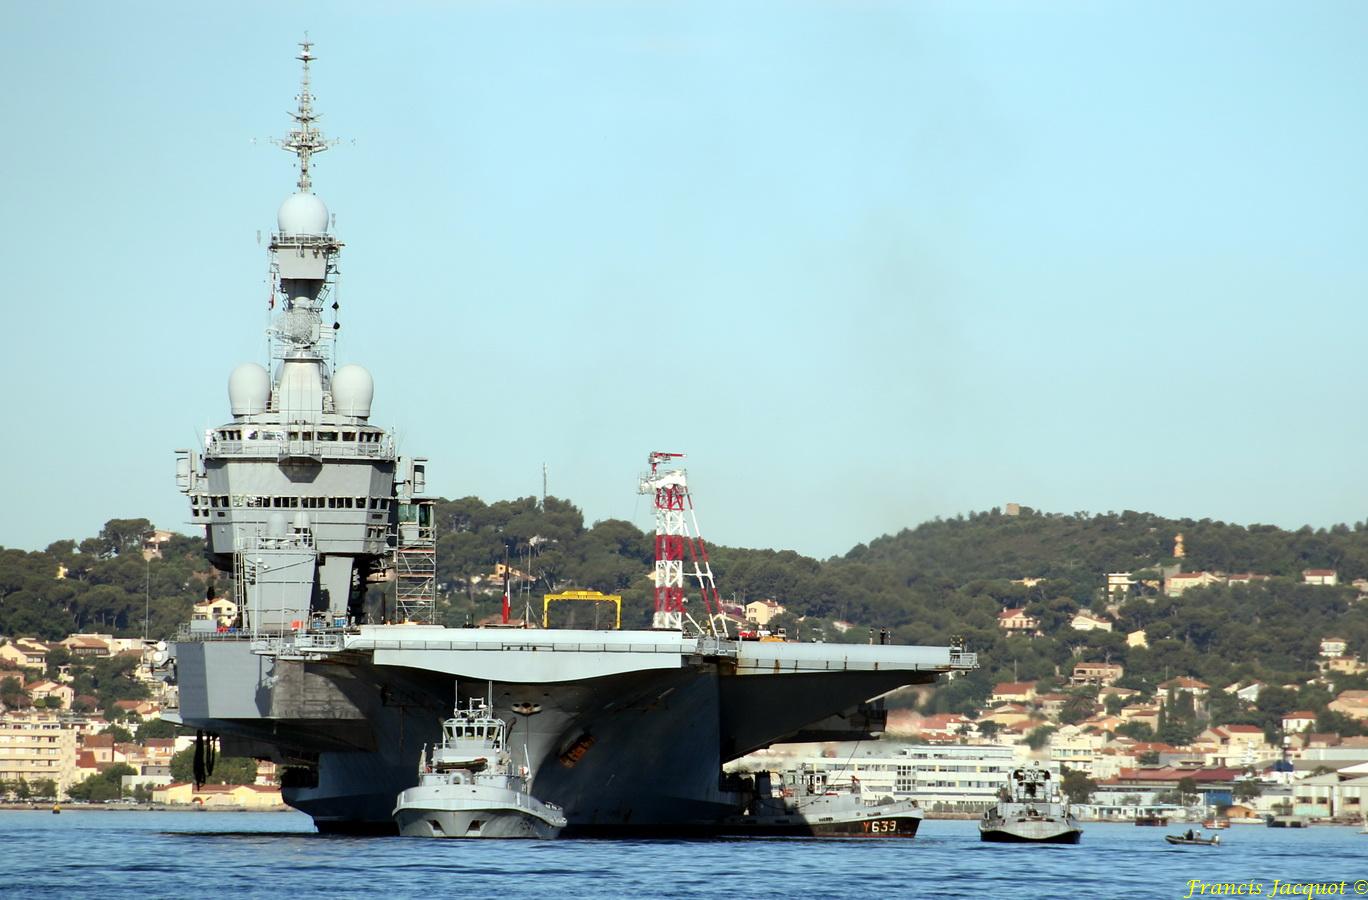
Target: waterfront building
<point>1215,785</point>
<point>36,746</point>
<point>943,777</point>
<point>210,796</point>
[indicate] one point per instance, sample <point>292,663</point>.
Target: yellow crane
<point>591,596</point>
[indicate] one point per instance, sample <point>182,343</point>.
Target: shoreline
<point>134,807</point>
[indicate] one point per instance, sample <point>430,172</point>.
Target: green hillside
<point>928,584</point>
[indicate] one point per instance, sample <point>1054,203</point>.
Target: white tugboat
<point>1032,813</point>
<point>469,786</point>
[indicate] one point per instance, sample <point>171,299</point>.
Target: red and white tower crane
<point>677,536</point>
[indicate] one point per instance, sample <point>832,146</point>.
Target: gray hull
<point>466,811</point>
<point>626,735</point>
<point>1061,829</point>
<point>893,821</point>
<point>476,823</point>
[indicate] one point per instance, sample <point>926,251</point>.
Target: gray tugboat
<point>1032,813</point>
<point>809,807</point>
<point>469,786</point>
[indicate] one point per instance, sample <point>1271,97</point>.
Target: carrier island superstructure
<point>305,504</point>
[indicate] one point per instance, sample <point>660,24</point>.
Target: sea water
<point>215,856</point>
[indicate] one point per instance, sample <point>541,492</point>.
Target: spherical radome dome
<point>353,389</point>
<point>302,214</point>
<point>249,389</point>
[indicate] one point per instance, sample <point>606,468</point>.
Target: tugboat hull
<point>473,811</point>
<point>1028,814</point>
<point>1030,836</point>
<point>477,823</point>
<point>889,826</point>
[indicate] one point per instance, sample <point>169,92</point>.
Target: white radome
<point>302,214</point>
<point>249,389</point>
<point>353,389</point>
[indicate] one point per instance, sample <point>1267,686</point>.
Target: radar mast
<point>303,254</point>
<point>304,140</point>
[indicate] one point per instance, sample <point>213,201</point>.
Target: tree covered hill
<point>102,584</point>
<point>995,545</point>
<point>926,584</point>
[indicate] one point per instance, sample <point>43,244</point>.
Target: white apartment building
<point>1075,748</point>
<point>938,776</point>
<point>36,746</point>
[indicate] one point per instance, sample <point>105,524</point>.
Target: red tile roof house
<point>1169,776</point>
<point>101,746</point>
<point>1016,620</point>
<point>1013,692</point>
<point>1298,721</point>
<point>944,726</point>
<point>1183,685</point>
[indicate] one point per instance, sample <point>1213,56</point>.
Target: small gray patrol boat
<point>1031,813</point>
<point>809,806</point>
<point>469,787</point>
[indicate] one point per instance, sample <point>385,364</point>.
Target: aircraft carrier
<point>306,505</point>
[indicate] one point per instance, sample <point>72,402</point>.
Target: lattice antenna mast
<point>304,140</point>
<point>673,539</point>
<point>707,585</point>
<point>304,256</point>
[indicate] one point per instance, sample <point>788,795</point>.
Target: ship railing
<point>186,634</point>
<point>250,540</point>
<point>304,645</point>
<point>961,659</point>
<point>280,240</point>
<point>709,645</point>
<point>325,449</point>
<point>372,644</point>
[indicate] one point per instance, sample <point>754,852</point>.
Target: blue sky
<point>867,263</point>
